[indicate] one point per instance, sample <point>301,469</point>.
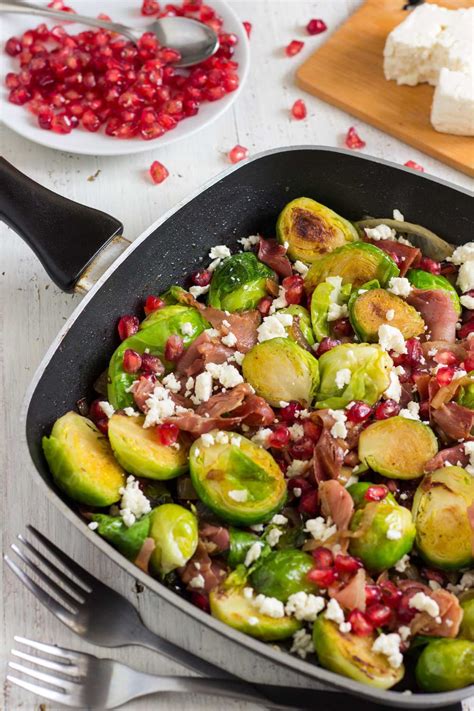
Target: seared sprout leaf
<point>398,447</point>
<point>465,394</point>
<point>446,664</point>
<point>431,244</point>
<point>352,656</point>
<point>82,462</point>
<point>153,333</point>
<point>283,573</point>
<point>238,480</point>
<point>325,294</point>
<point>303,319</point>
<point>466,630</point>
<point>127,539</point>
<point>239,282</point>
<point>140,453</point>
<point>312,230</point>
<point>239,544</point>
<point>281,371</point>
<point>175,532</point>
<point>172,296</point>
<point>355,263</point>
<point>369,366</point>
<point>440,510</point>
<point>370,308</point>
<point>425,280</point>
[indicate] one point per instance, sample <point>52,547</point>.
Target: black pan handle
<point>66,236</point>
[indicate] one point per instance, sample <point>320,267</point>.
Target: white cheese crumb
<point>394,390</point>
<point>269,606</point>
<point>397,215</point>
<point>249,242</point>
<point>197,582</point>
<point>252,620</point>
<point>305,607</point>
<point>434,585</point>
<point>279,520</point>
<point>220,251</point>
<point>160,406</point>
<point>467,302</point>
<point>297,467</point>
<point>389,646</point>
<point>380,232</point>
<point>280,302</point>
<point>222,438</point>
<point>247,593</point>
<point>465,279</point>
<point>402,564</point>
<point>235,440</point>
<point>253,553</point>
<point>198,291</point>
<point>230,340</point>
<point>464,253</point>
<point>404,632</point>
<point>106,408</point>
<point>207,439</point>
<point>240,495</point>
<point>261,437</point>
<point>320,529</point>
<point>339,428</point>
<point>297,491</point>
<point>130,412</point>
<point>226,374</point>
<point>302,644</point>
<point>334,612</point>
<point>202,388</point>
<point>187,328</point>
<point>274,327</point>
<point>296,432</point>
<point>411,412</point>
<point>394,534</point>
<point>400,286</point>
<point>391,339</point>
<point>172,383</point>
<point>390,315</point>
<point>343,377</point>
<point>274,536</point>
<point>424,603</point>
<point>93,525</point>
<point>300,267</point>
<point>345,627</point>
<point>133,504</point>
<point>238,357</point>
<point>257,527</point>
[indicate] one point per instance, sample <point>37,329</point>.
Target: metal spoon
<point>194,41</point>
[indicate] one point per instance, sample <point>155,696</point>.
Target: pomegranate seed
<point>45,118</point>
<point>289,412</point>
<point>379,615</point>
<point>298,482</point>
<point>359,412</point>
<point>405,613</point>
<point>342,327</point>
<point>102,425</point>
<point>445,358</point>
<point>386,409</point>
<point>429,265</point>
<point>13,46</point>
<point>390,594</point>
<point>372,594</point>
<point>127,326</point>
<point>132,361</point>
<point>206,13</point>
<point>152,364</point>
<point>323,558</point>
<point>158,172</point>
<point>293,48</point>
<point>238,153</point>
<point>95,411</point>
<point>167,434</point>
<point>469,364</point>
<point>312,430</point>
<point>248,28</point>
<point>302,449</point>
<point>61,124</point>
<point>326,345</point>
<point>12,81</point>
<point>150,7</point>
<point>202,277</point>
<point>414,166</point>
<point>298,110</point>
<point>359,624</point>
<point>279,437</point>
<point>445,375</point>
<point>90,121</point>
<point>19,96</point>
<point>322,578</point>
<point>414,354</point>
<point>346,564</point>
<point>174,348</point>
<point>309,502</point>
<point>264,305</point>
<point>353,140</point>
<point>294,289</point>
<point>376,493</point>
<point>466,329</point>
<point>315,27</point>
<point>153,303</point>
<point>201,601</point>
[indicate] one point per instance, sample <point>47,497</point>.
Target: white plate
<point>19,119</point>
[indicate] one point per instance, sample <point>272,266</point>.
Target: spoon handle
<point>19,6</point>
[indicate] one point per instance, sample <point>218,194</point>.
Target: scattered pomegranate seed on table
<point>353,140</point>
<point>293,48</point>
<point>238,153</point>
<point>316,26</point>
<point>298,110</point>
<point>414,166</point>
<point>158,172</point>
<point>248,28</point>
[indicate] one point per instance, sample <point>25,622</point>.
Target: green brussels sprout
<point>239,282</point>
<point>384,533</point>
<point>321,299</point>
<point>175,532</point>
<point>311,229</point>
<point>446,664</point>
<point>126,539</point>
<point>156,492</point>
<point>352,656</point>
<point>82,462</point>
<point>238,480</point>
<point>465,394</point>
<point>397,447</point>
<point>358,491</point>
<point>172,296</point>
<point>303,318</point>
<point>139,452</point>
<point>355,263</point>
<point>280,371</point>
<point>370,368</point>
<point>283,573</point>
<point>229,605</point>
<point>425,280</point>
<point>153,333</point>
<point>240,542</point>
<point>368,310</point>
<point>466,630</point>
<point>443,530</point>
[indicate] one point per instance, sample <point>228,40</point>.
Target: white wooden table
<point>32,310</point>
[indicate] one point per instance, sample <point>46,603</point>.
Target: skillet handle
<point>68,238</point>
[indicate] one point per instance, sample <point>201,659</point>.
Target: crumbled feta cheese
<point>220,251</point>
<point>337,311</point>
<point>320,529</point>
<point>424,603</point>
<point>261,437</point>
<point>339,428</point>
<point>235,440</point>
<point>249,242</point>
<point>391,339</point>
<point>172,383</point>
<point>230,340</point>
<point>226,374</point>
<point>280,302</point>
<point>411,412</point>
<point>207,439</point>
<point>300,267</point>
<point>257,527</point>
<point>106,408</point>
<point>297,491</point>
<point>274,327</point>
<point>465,279</point>
<point>394,390</point>
<point>252,620</point>
<point>133,504</point>
<point>334,612</point>
<point>198,291</point>
<point>202,388</point>
<point>389,646</point>
<point>93,525</point>
<point>247,593</point>
<point>464,253</point>
<point>296,432</point>
<point>434,585</point>
<point>302,644</point>
<point>380,232</point>
<point>400,286</point>
<point>274,536</point>
<point>305,607</point>
<point>390,315</point>
<point>238,357</point>
<point>187,329</point>
<point>345,627</point>
<point>269,606</point>
<point>197,582</point>
<point>393,533</point>
<point>160,406</point>
<point>130,412</point>
<point>253,553</point>
<point>279,520</point>
<point>397,215</point>
<point>404,632</point>
<point>467,302</point>
<point>222,438</point>
<point>343,377</point>
<point>297,467</point>
<point>402,564</point>
<point>240,495</point>
<point>336,308</point>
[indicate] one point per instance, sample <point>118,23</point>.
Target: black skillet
<point>75,244</point>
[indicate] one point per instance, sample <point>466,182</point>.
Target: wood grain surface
<point>347,71</point>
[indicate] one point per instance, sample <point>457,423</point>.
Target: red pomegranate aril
<point>297,482</point>
<point>248,28</point>
<point>214,93</point>
<point>316,26</point>
<point>201,601</point>
<point>298,110</point>
<point>390,594</point>
<point>359,412</point>
<point>201,278</point>
<point>353,140</point>
<point>469,363</point>
<point>309,502</point>
<point>302,449</point>
<point>294,288</point>
<point>326,345</point>
<point>95,410</point>
<point>238,153</point>
<point>132,361</point>
<point>264,305</point>
<point>312,430</point>
<point>174,348</point>
<point>445,375</point>
<point>61,124</point>
<point>322,578</point>
<point>346,564</point>
<point>414,354</point>
<point>12,81</point>
<point>289,413</point>
<point>127,326</point>
<point>168,122</point>
<point>414,166</point>
<point>149,133</point>
<point>386,409</point>
<point>19,96</point>
<point>376,493</point>
<point>405,613</point>
<point>167,434</point>
<point>231,82</point>
<point>323,558</point>
<point>379,615</point>
<point>294,48</point>
<point>158,172</point>
<point>191,107</point>
<point>45,118</point>
<point>206,13</point>
<point>429,265</point>
<point>372,594</point>
<point>13,46</point>
<point>445,358</point>
<point>342,327</point>
<point>360,626</point>
<point>152,364</point>
<point>90,121</point>
<point>102,425</point>
<point>280,437</point>
<point>153,303</point>
<point>150,7</point>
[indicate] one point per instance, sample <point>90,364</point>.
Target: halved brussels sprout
<point>304,322</point>
<point>140,453</point>
<point>312,230</point>
<point>384,533</point>
<point>321,300</point>
<point>230,606</point>
<point>466,630</point>
<point>127,539</point>
<point>443,530</point>
<point>465,394</point>
<point>283,573</point>
<point>446,664</point>
<point>239,282</point>
<point>239,544</point>
<point>153,333</point>
<point>172,296</point>
<point>397,447</point>
<point>368,311</point>
<point>82,462</point>
<point>352,656</point>
<point>175,532</point>
<point>235,478</point>
<point>425,280</point>
<point>355,263</point>
<point>370,369</point>
<point>280,371</point>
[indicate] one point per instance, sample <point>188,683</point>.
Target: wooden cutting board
<point>347,71</point>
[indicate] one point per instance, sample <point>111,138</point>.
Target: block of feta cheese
<point>453,103</point>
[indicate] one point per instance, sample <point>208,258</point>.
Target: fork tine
<point>67,668</point>
<point>79,591</point>
<point>61,698</point>
<point>47,678</point>
<point>82,575</point>
<point>63,594</point>
<point>52,649</point>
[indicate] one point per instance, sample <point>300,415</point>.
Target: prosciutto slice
<point>255,412</point>
<point>454,420</point>
<point>274,256</point>
<point>221,403</point>
<point>438,312</point>
<point>142,560</point>
<point>216,539</point>
<point>451,455</point>
<point>211,572</point>
<point>448,622</point>
<point>352,595</point>
<point>329,452</point>
<point>404,255</point>
<point>337,503</point>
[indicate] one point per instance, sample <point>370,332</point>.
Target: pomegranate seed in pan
<point>359,624</point>
<point>323,558</point>
<point>132,361</point>
<point>127,326</point>
<point>346,564</point>
<point>153,303</point>
<point>202,277</point>
<point>279,437</point>
<point>152,364</point>
<point>376,493</point>
<point>289,412</point>
<point>174,348</point>
<point>387,409</point>
<point>167,434</point>
<point>322,578</point>
<point>326,345</point>
<point>359,412</point>
<point>429,265</point>
<point>309,502</point>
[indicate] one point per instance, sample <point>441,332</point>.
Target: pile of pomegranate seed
<point>96,78</point>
